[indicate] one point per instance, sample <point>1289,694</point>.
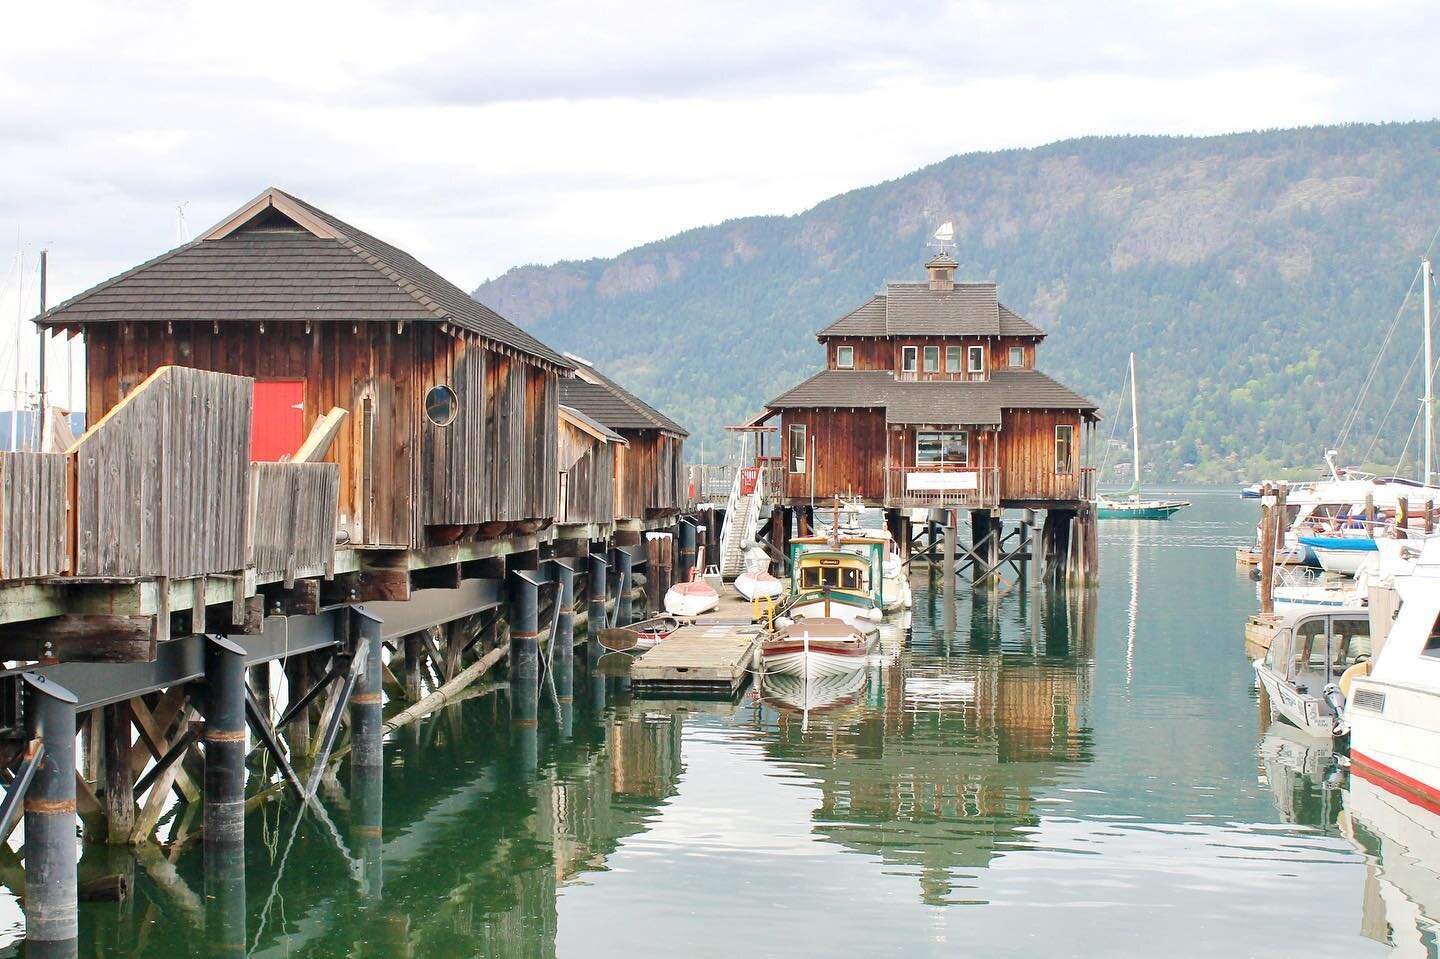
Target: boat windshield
<point>832,577</point>
<point>1322,648</point>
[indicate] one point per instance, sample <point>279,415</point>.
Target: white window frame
<point>957,353</point>
<point>971,352</point>
<point>1014,363</point>
<point>925,364</point>
<point>792,461</point>
<point>942,462</point>
<point>909,359</point>
<point>845,357</point>
<point>1067,468</point>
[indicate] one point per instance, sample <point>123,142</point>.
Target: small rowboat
<point>691,598</point>
<point>638,637</point>
<point>758,583</point>
<point>817,647</point>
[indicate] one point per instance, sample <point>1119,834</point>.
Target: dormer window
<point>932,359</point>
<point>909,359</point>
<point>1017,357</point>
<point>844,357</point>
<point>977,359</point>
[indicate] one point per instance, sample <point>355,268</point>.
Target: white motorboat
<point>1309,654</point>
<point>818,647</point>
<point>1394,711</point>
<point>759,584</point>
<point>691,598</point>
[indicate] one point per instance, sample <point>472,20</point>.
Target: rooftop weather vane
<point>943,239</point>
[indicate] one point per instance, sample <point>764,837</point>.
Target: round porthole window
<point>441,405</point>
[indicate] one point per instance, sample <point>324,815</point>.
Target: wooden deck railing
<point>162,481</point>
<point>32,515</point>
<point>294,512</point>
<point>972,487</point>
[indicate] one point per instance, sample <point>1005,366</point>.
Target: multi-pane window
<point>1017,356</point>
<point>977,359</point>
<point>942,448</point>
<point>932,359</point>
<point>954,357</point>
<point>1065,449</point>
<point>909,359</point>
<point>845,357</point>
<point>797,447</point>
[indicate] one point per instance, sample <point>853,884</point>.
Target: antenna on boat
<point>1428,411</point>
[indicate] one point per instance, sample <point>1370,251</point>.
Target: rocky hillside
<point>1254,274</point>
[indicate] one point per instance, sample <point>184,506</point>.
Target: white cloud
<point>483,136</point>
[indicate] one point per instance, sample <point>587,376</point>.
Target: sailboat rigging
<point>1132,506</point>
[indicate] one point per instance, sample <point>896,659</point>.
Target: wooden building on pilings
<point>930,399</point>
<point>307,449</point>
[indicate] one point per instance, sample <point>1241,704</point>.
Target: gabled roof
<point>606,401</point>
<point>569,414</point>
<point>957,402</point>
<point>913,309</point>
<point>279,259</point>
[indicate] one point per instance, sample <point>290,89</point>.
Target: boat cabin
<point>930,396</point>
<point>1309,652</point>
<point>445,414</point>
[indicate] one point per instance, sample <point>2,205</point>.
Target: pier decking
<point>710,658</point>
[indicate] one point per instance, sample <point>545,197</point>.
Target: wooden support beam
<point>322,435</point>
<point>119,783</point>
<point>489,567</point>
<point>302,599</point>
<point>155,740</point>
<point>384,576</point>
<point>80,639</point>
<point>343,589</point>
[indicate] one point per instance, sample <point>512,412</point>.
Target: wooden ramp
<point>710,658</point>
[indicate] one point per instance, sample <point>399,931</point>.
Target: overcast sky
<point>480,136</point>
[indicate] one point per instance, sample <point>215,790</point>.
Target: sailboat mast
<point>1135,426</point>
<point>1429,410</point>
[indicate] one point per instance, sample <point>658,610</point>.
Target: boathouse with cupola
<point>931,398</point>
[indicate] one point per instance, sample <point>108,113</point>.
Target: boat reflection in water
<point>940,775</point>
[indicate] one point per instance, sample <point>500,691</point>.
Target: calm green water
<point>1048,777</point>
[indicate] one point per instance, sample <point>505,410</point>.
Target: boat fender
<point>1356,671</point>
<point>1336,699</point>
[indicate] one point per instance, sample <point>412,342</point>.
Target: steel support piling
<point>525,667</point>
<point>51,893</point>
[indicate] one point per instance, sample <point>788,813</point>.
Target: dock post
<point>51,892</point>
<point>595,583</point>
<point>653,594</point>
<point>710,555</point>
<point>624,565</point>
<point>224,800</point>
<point>688,536</point>
<point>562,657</point>
<point>297,731</point>
<point>414,651</point>
<point>525,667</point>
<point>1267,550</point>
<point>902,536</point>
<point>947,573</point>
<point>119,795</point>
<point>1027,545</point>
<point>367,759</point>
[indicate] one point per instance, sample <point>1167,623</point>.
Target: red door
<point>279,419</point>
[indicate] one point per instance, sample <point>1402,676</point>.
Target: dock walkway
<point>712,657</point>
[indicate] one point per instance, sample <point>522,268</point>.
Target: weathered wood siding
<point>495,462</point>
<point>295,507</point>
<point>33,498</point>
<point>162,481</point>
<point>649,474</point>
<point>847,454</point>
<point>1027,455</point>
<point>589,484</point>
<point>870,354</point>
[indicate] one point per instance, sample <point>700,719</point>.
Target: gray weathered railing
<point>295,511</point>
<point>936,486</point>
<point>162,481</point>
<point>33,498</point>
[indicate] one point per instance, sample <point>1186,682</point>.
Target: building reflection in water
<point>968,730</point>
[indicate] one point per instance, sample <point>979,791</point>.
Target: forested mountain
<point>1255,275</point>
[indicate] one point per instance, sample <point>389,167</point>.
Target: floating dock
<point>710,658</point>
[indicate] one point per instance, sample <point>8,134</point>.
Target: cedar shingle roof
<point>941,402</point>
<point>589,421</point>
<point>913,309</point>
<point>270,268</point>
<point>599,397</point>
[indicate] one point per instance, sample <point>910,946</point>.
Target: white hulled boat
<point>817,647</point>
<point>691,598</point>
<point>1310,653</point>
